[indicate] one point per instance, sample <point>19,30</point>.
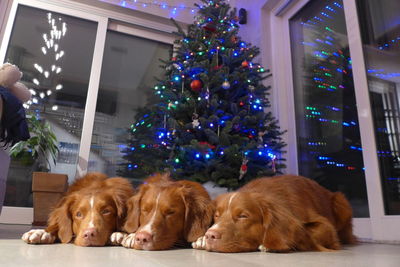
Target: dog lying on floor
<point>93,208</point>
<point>165,213</point>
<point>279,214</point>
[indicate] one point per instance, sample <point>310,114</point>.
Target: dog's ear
<point>121,191</point>
<point>199,210</point>
<point>132,221</point>
<point>60,219</point>
<point>281,228</point>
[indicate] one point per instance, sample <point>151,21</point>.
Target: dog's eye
<point>145,211</point>
<point>78,214</point>
<point>169,212</point>
<point>105,212</point>
<point>243,216</point>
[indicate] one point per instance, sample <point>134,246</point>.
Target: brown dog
<point>279,214</point>
<point>92,209</point>
<point>165,213</point>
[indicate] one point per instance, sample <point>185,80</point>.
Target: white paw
<point>128,241</point>
<point>262,248</point>
<point>200,243</point>
<point>38,236</point>
<point>117,237</point>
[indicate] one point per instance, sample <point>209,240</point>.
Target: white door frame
<point>107,20</point>
<point>276,16</point>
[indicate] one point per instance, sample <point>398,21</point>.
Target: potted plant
<point>34,156</point>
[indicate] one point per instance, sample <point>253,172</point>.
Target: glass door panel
<point>55,52</point>
<point>328,136</point>
<point>130,65</point>
<point>380,32</point>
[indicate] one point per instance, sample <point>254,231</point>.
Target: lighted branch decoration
<point>47,80</point>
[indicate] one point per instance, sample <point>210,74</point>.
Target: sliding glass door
<point>327,128</point>
<point>43,44</point>
<point>380,31</point>
<point>87,75</point>
<point>341,102</point>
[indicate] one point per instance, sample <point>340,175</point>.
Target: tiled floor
<point>14,252</point>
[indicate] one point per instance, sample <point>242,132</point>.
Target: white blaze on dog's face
<point>238,224</point>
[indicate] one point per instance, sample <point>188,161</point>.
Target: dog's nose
<point>213,235</point>
<point>90,233</point>
<point>143,238</point>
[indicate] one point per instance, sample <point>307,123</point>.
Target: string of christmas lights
<point>174,9</point>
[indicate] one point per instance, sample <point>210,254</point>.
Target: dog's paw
<point>262,248</point>
<point>128,241</point>
<point>38,236</point>
<point>200,243</point>
<point>117,237</point>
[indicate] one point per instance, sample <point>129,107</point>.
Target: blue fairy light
<point>207,156</point>
<point>197,155</point>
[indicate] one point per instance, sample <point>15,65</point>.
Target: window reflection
<point>328,137</point>
<point>56,63</point>
<point>130,65</point>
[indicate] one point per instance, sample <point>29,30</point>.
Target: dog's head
<point>91,211</point>
<point>244,221</point>
<point>167,213</point>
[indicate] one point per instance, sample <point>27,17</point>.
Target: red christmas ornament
<point>210,27</point>
<point>234,39</point>
<point>207,144</point>
<point>217,67</point>
<point>173,59</point>
<point>245,64</point>
<point>196,85</point>
<point>243,168</point>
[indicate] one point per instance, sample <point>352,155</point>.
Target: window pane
<point>380,30</point>
<point>328,137</point>
<point>54,52</point>
<point>130,66</point>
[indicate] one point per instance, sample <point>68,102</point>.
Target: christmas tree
<point>207,119</point>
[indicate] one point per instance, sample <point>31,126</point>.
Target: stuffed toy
<point>13,126</point>
<point>9,78</point>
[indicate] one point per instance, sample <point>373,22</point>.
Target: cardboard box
<point>47,188</point>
